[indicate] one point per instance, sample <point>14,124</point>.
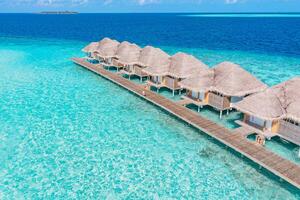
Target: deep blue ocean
<point>264,35</point>
<point>66,133</point>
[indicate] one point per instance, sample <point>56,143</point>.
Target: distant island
<point>58,12</point>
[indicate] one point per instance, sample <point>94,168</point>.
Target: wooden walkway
<point>279,166</point>
<point>244,131</point>
<point>184,102</point>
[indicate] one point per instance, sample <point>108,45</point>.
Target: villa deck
<point>279,166</point>
<point>184,102</point>
<point>244,131</point>
<point>267,134</point>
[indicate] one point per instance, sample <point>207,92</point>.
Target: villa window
<point>159,80</point>
<point>257,121</point>
<point>269,125</point>
<point>195,95</point>
<point>201,96</point>
<point>130,68</point>
<point>109,61</point>
<point>156,79</point>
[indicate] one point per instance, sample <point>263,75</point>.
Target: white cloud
<point>143,2</point>
<point>79,2</point>
<point>45,2</point>
<point>139,2</point>
<point>106,2</point>
<point>231,1</point>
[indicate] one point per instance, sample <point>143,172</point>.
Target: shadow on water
<point>227,121</point>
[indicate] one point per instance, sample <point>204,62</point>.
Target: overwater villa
<point>127,55</point>
<point>181,66</point>
<point>89,50</point>
<point>215,83</point>
<point>220,86</point>
<point>274,112</point>
<point>149,56</point>
<point>106,51</point>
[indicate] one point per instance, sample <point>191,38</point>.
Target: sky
<point>141,6</point>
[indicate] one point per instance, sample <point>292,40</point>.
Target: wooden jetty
<point>279,166</point>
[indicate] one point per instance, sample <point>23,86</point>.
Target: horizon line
<point>171,12</point>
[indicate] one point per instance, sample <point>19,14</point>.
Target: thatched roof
<point>154,57</point>
<point>181,65</point>
<point>90,48</point>
<point>184,66</point>
<point>128,54</point>
<point>226,78</point>
<point>107,48</point>
<point>277,102</point>
<point>199,83</point>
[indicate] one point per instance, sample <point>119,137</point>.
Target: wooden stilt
<point>173,93</point>
<point>198,108</point>
<point>221,113</point>
<point>227,112</point>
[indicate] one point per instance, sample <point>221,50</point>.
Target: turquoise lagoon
<point>68,133</point>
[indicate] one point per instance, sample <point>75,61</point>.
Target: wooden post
<point>180,91</point>
<point>141,79</point>
<point>221,113</point>
<point>173,87</point>
<point>227,112</point>
<point>198,108</point>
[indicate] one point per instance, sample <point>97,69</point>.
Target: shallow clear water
<point>66,132</point>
